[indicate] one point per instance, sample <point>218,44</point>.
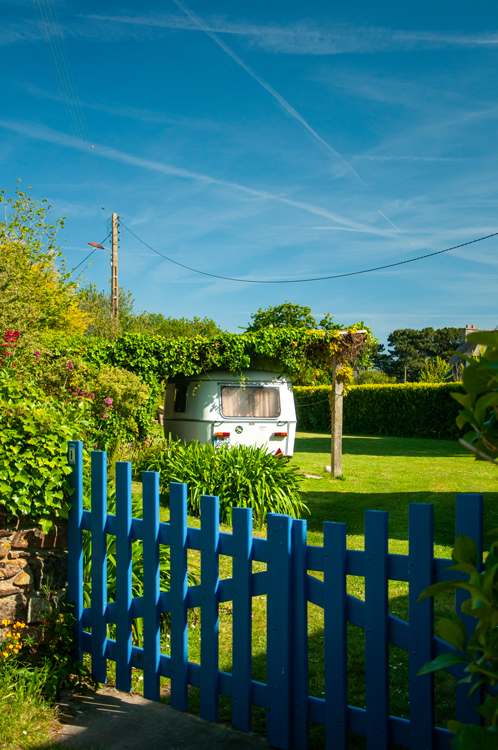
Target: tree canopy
<point>288,315</point>
<point>97,305</point>
<point>408,350</point>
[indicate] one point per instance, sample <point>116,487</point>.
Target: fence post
<point>242,621</point>
<point>178,595</point>
<point>75,544</point>
<point>335,635</point>
<point>279,632</point>
<point>421,624</point>
<point>377,629</point>
<point>469,521</point>
<point>99,565</point>
<point>210,623</point>
<point>123,576</point>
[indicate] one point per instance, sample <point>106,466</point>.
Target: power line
<point>89,255</point>
<point>315,278</point>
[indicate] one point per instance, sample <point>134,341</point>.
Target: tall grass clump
<point>242,476</point>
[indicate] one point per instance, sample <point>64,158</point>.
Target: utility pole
<point>114,272</point>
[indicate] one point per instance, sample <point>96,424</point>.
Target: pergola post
<point>336,407</point>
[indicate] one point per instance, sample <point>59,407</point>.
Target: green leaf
<point>485,338</point>
<point>489,708</point>
<point>465,551</point>
<point>454,726</point>
<point>453,631</point>
<point>443,661</point>
<point>472,737</point>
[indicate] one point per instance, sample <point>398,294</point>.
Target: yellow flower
<point>5,622</point>
<point>16,650</point>
<point>4,653</point>
<point>10,646</point>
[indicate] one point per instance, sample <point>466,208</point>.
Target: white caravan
<point>219,408</point>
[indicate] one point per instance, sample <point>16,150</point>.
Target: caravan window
<point>180,402</point>
<point>251,401</point>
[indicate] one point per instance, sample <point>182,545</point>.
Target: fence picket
<point>178,596</point>
<point>335,636</point>
<point>421,624</point>
<point>469,515</point>
<point>210,582</point>
<point>278,655</point>
<point>151,654</point>
<point>99,565</point>
<point>75,544</point>
<point>300,676</point>
<point>376,629</point>
<point>242,619</point>
<point>123,576</point>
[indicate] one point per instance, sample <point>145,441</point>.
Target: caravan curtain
<point>251,401</point>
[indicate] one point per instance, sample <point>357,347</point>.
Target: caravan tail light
<point>222,434</point>
<point>279,434</point>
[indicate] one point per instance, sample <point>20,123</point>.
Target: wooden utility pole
<point>336,406</point>
<point>114,272</point>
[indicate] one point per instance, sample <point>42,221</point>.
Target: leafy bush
<point>435,371</point>
<point>241,476</point>
<point>479,653</point>
<point>401,410</point>
<point>480,380</point>
<point>365,377</point>
<point>34,431</point>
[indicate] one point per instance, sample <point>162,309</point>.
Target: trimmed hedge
<point>401,410</point>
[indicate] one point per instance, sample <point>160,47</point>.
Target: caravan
<point>220,408</point>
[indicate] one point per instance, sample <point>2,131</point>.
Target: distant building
<point>466,347</point>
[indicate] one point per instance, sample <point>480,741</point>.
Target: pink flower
<point>92,395</point>
<point>69,365</point>
<point>108,401</point>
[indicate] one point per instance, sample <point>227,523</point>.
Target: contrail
<point>50,135</point>
<point>280,99</point>
<point>394,225</point>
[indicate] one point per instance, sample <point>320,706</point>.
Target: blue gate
<point>288,588</point>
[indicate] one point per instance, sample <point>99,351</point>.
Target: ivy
<point>292,351</point>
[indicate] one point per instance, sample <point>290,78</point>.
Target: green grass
<point>378,474</point>
<point>26,720</point>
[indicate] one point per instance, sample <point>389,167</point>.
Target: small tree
<point>36,288</point>
<point>435,371</point>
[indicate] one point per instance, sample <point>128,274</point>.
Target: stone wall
<point>30,559</point>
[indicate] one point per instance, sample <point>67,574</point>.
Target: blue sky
<point>265,141</point>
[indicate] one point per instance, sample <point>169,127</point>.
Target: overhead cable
<point>315,278</point>
<point>89,254</point>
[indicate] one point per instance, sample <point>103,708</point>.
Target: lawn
<point>379,474</point>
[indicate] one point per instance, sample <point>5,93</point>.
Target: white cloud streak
<point>305,38</point>
<point>62,139</point>
<point>279,98</point>
<point>394,225</point>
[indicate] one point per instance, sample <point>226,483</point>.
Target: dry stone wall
<point>30,560</point>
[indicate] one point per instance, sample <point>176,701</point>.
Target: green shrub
<point>401,410</point>
<point>480,403</point>
<point>240,475</point>
<point>34,430</point>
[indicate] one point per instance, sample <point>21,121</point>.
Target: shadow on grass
<point>379,445</point>
<point>350,507</point>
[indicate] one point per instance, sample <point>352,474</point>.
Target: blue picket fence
<point>288,587</point>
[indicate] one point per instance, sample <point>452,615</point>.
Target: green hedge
<point>402,410</point>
